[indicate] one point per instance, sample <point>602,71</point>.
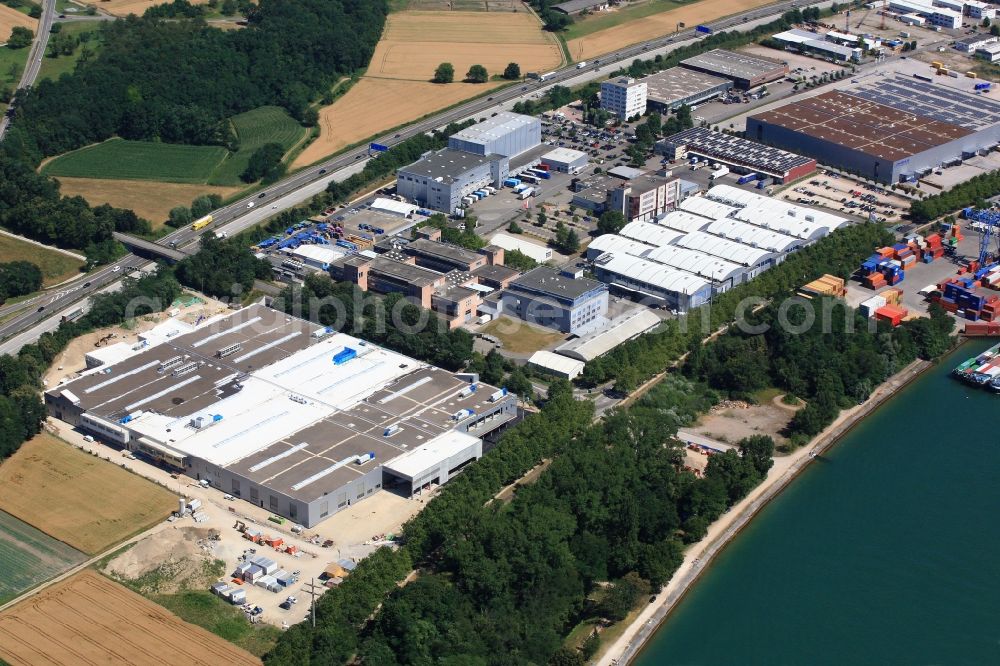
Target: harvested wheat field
<point>149,199</point>
<point>88,619</point>
<point>88,503</point>
<point>126,7</point>
<point>376,105</point>
<point>657,25</point>
<point>11,18</point>
<point>396,88</point>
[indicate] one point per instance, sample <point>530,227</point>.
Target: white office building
<point>624,97</point>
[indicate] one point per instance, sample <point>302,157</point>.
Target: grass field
<point>604,32</point>
<point>53,68</point>
<point>149,199</point>
<point>141,160</point>
<point>77,498</point>
<point>89,619</point>
<point>520,337</point>
<point>396,88</point>
<point>268,124</point>
<point>29,557</point>
<point>56,266</point>
<point>204,609</point>
<point>11,18</point>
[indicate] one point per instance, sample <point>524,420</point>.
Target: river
<point>884,551</point>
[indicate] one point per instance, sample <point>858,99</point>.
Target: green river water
<point>884,551</point>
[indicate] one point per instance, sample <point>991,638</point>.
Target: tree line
<point>21,409</point>
<point>504,582</point>
<point>19,278</point>
<point>972,192</point>
<point>178,80</point>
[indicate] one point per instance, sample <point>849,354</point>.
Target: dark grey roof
<point>548,282</point>
<point>447,164</point>
<point>575,6</point>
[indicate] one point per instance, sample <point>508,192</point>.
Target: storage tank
<point>181,506</point>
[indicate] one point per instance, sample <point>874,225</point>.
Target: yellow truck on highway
<point>202,222</point>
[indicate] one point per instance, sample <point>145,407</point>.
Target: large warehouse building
<point>477,156</point>
<point>739,154</point>
<point>892,129</point>
<point>292,417</point>
<point>710,245</point>
<point>677,86</point>
<point>744,70</point>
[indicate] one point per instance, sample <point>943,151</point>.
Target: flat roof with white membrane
<point>413,464</point>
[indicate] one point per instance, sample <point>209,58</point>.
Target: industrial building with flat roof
<point>746,71</point>
<point>677,86</point>
<point>739,154</point>
<point>624,97</point>
<point>712,244</point>
<point>808,41</point>
<point>566,160</point>
<point>292,417</point>
<point>545,297</point>
<point>891,129</point>
<point>507,134</point>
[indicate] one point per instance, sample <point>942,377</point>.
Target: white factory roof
<point>111,353</point>
<point>417,461</point>
<point>394,207</point>
<point>651,273</point>
<point>557,363</point>
<point>319,253</point>
<point>264,411</point>
<point>621,328</point>
<point>707,208</point>
<point>726,249</point>
<point>692,261</point>
<point>754,236</point>
<point>777,215</point>
<point>652,234</point>
<point>537,252</point>
<point>616,243</point>
<point>842,36</point>
<point>566,155</point>
<point>164,331</point>
<point>798,36</point>
<point>682,220</point>
<point>495,127</point>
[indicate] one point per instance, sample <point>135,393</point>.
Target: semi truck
<point>511,182</point>
<point>525,193</point>
<point>746,178</point>
<point>718,173</point>
<point>581,65</point>
<point>201,222</point>
<point>520,187</point>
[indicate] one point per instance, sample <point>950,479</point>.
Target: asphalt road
<point>35,56</point>
<point>298,187</point>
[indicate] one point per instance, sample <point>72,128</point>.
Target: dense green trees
<point>512,72</point>
<point>178,80</point>
<point>567,240</point>
<point>610,222</point>
<point>265,162</point>
<point>970,192</point>
<point>518,260</point>
<point>18,278</point>
<point>20,38</point>
<point>444,73</point>
<point>477,74</point>
<point>21,408</point>
<point>222,268</point>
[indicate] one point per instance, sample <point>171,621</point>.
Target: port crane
<point>988,221</point>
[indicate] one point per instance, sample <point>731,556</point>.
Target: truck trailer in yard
<point>525,193</point>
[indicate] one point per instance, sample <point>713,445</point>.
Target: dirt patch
<point>11,18</point>
<point>396,88</point>
<point>168,561</point>
<point>88,619</point>
<point>126,7</point>
<point>731,421</point>
<point>373,105</point>
<point>149,199</point>
<point>521,337</point>
<point>657,25</point>
<point>84,501</point>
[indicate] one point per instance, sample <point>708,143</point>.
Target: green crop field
<point>29,557</point>
<point>139,160</point>
<point>268,124</point>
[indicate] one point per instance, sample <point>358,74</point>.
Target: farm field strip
<point>268,124</point>
<point>141,160</point>
<point>80,499</point>
<point>56,267</point>
<point>90,619</point>
<point>125,7</point>
<point>29,557</point>
<point>657,25</point>
<point>10,18</point>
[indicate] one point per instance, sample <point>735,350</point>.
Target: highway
<point>298,187</point>
<point>35,55</point>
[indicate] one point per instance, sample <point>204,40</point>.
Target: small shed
<point>238,596</point>
<point>253,573</point>
<point>267,564</point>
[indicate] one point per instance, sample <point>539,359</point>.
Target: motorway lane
<point>300,186</point>
<point>36,54</point>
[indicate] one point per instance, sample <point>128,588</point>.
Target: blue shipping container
<point>344,355</point>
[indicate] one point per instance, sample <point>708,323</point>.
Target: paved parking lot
<point>844,194</point>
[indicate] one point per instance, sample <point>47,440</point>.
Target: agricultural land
<point>126,7</point>
<point>88,619</point>
<point>396,88</point>
<point>11,18</point>
<point>56,266</point>
<point>604,32</point>
<point>82,500</point>
<point>88,32</point>
<point>151,178</point>
<point>29,557</point>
